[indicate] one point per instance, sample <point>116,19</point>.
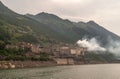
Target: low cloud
<point>114,46</point>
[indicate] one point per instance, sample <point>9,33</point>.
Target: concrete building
<point>78,51</point>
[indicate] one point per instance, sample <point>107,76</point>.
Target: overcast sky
<point>104,12</point>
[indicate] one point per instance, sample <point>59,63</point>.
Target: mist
<point>93,44</point>
<point>114,47</point>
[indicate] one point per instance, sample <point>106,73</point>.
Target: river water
<point>101,71</point>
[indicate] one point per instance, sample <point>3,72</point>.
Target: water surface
<point>103,71</point>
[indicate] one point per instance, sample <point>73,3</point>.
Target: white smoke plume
<point>114,47</point>
<point>91,44</point>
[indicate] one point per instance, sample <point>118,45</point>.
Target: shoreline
<point>25,64</point>
<point>31,64</point>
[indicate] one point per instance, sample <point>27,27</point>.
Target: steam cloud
<point>91,44</point>
<point>114,47</point>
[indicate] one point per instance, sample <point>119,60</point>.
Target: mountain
<point>15,28</point>
<point>73,30</point>
<point>63,27</point>
<point>92,29</point>
<point>44,27</point>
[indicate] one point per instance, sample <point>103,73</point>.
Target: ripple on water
<point>106,71</point>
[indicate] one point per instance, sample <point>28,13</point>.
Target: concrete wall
<point>64,61</point>
<point>35,49</point>
<point>70,61</point>
<point>78,51</point>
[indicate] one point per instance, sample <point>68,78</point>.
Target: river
<point>100,71</point>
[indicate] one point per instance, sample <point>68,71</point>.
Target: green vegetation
<point>11,53</point>
<point>44,57</point>
<point>100,56</point>
<point>25,37</point>
<point>17,28</point>
<point>19,54</point>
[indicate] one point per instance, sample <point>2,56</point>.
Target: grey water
<point>100,71</point>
